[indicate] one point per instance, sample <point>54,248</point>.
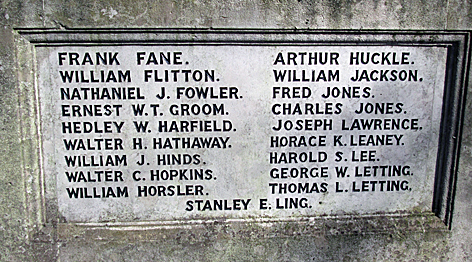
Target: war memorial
<point>235,131</point>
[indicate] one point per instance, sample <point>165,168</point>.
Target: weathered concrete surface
<point>12,196</point>
<point>455,245</point>
<point>459,15</point>
<point>246,14</point>
<point>328,14</point>
<point>348,248</point>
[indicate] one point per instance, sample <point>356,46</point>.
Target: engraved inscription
<point>169,132</point>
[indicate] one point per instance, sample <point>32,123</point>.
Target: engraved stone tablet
<point>178,132</point>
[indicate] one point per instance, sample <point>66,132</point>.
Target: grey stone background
<point>223,244</point>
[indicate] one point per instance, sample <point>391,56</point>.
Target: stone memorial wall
<point>137,133</point>
<point>280,132</point>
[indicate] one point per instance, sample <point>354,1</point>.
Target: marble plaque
<point>179,132</point>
